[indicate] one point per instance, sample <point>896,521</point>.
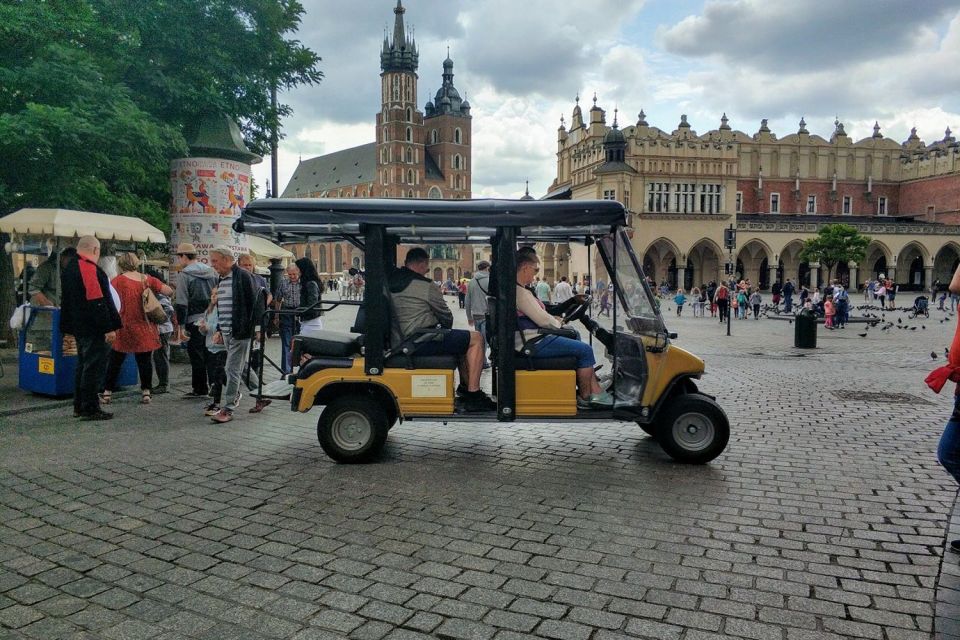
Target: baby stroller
<point>921,307</point>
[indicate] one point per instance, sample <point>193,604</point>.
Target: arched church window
<point>338,258</point>
<point>410,176</point>
<point>384,139</point>
<point>409,154</point>
<point>456,161</point>
<point>409,134</point>
<point>434,137</point>
<point>410,193</point>
<point>409,114</point>
<point>434,193</point>
<point>457,136</point>
<point>396,87</point>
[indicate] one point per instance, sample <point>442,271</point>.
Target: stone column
<point>892,273</point>
<point>927,277</point>
<point>773,275</point>
<point>854,276</point>
<point>681,277</point>
<point>814,274</point>
<point>211,187</point>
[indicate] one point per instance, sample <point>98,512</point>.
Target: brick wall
<point>942,193</point>
<point>790,204</point>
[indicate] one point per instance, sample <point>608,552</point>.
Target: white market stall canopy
<point>66,223</point>
<point>266,249</point>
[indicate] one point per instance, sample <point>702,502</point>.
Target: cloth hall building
<point>683,189</point>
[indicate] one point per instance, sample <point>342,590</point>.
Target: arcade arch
<point>660,262</point>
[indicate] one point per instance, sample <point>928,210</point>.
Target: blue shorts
<point>559,347</point>
<point>455,343</point>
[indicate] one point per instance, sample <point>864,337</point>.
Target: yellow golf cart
<point>365,385</point>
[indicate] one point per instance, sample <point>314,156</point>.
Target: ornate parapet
<point>717,217</point>
<point>868,228</point>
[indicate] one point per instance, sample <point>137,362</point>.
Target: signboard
<point>207,196</point>
<point>45,365</point>
<point>428,386</point>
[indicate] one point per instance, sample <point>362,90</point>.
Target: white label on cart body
<point>428,386</point>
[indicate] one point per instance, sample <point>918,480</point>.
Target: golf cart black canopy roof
<point>430,220</point>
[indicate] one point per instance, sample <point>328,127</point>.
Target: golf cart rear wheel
<point>692,428</point>
<point>352,429</point>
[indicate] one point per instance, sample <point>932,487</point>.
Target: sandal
<point>145,396</point>
<point>105,397</point>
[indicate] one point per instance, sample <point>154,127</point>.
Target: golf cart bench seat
<point>321,344</point>
<point>402,361</point>
<point>524,363</point>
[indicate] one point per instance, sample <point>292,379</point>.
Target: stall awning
<point>266,249</point>
<point>66,223</point>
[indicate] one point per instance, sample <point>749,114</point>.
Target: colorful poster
<point>208,194</point>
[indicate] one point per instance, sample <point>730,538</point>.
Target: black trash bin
<point>805,330</point>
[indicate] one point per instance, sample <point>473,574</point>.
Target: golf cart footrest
<point>326,343</point>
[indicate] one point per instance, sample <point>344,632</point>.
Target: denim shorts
<point>559,347</point>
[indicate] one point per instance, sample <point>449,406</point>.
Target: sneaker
<point>583,403</point>
<point>222,416</point>
<point>211,409</point>
<point>237,399</point>
<point>461,391</point>
<point>261,404</point>
<point>476,401</point>
<point>96,416</point>
<point>601,400</point>
<point>160,389</point>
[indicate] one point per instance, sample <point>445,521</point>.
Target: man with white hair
<point>236,297</point>
<point>89,314</point>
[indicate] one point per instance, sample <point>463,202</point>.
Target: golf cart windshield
<point>633,298</point>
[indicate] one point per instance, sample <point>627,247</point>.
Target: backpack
<point>198,294</point>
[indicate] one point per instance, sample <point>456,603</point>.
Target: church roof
<point>333,171</point>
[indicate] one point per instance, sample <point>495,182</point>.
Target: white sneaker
<point>236,400</point>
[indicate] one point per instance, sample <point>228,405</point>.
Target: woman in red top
<point>948,451</point>
<point>138,335</point>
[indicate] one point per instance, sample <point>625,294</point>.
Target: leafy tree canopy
<point>834,244</point>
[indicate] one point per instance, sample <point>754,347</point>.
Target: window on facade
<point>739,204</point>
<point>457,136</point>
<point>774,203</point>
<point>338,258</point>
<point>434,193</point>
<point>847,205</point>
<point>396,87</point>
<point>384,135</point>
<point>658,197</point>
<point>457,183</point>
<point>409,155</point>
<point>610,194</point>
<point>811,204</point>
<point>626,199</point>
<point>687,199</point>
<point>409,114</point>
<point>709,198</point>
<point>456,161</point>
<point>881,206</point>
<point>434,137</point>
<point>410,179</point>
<point>410,193</point>
<point>322,259</point>
<point>409,134</point>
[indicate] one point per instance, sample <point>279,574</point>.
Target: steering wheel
<point>580,310</point>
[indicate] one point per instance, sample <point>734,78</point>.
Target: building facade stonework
<point>683,189</point>
<point>417,154</point>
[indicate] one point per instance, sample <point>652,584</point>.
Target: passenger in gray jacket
<point>476,304</point>
<point>418,304</point>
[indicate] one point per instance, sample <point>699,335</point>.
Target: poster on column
<point>208,195</point>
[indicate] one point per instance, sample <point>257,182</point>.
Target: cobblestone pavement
<point>825,518</point>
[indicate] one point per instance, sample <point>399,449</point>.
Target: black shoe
<point>955,545</point>
<point>96,415</point>
<point>461,391</point>
<point>160,389</point>
<point>477,401</point>
<point>193,395</point>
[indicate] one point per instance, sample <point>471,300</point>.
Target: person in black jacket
<point>236,300</point>
<point>89,314</point>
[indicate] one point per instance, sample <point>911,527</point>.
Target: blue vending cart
<point>44,367</point>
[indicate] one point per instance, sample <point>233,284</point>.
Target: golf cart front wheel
<point>352,429</point>
<point>693,429</point>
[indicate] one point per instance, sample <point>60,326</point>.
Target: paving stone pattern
<point>824,518</point>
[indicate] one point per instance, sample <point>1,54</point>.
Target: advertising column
<point>209,190</point>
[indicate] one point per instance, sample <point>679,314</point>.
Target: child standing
<point>679,300</point>
<point>828,312</point>
<point>741,305</point>
<point>216,363</point>
<point>755,301</point>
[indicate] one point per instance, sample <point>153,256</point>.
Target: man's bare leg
<point>473,360</point>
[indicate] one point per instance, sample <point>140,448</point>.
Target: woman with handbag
<point>140,313</point>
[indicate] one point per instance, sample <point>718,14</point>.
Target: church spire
<point>399,35</point>
<point>401,53</point>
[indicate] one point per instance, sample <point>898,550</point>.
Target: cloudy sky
<point>522,63</point>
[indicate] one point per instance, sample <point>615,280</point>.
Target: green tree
<point>95,95</point>
<point>835,244</point>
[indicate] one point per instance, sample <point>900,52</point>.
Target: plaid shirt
<point>289,294</point>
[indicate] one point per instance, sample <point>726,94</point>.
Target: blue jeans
<point>288,328</point>
<point>559,347</point>
<point>948,451</point>
<point>480,324</point>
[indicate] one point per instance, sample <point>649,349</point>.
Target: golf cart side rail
<point>342,217</point>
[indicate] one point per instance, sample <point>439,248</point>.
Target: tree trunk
<point>8,300</point>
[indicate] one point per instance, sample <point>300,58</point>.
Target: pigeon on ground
<point>924,327</point>
<point>862,335</point>
<point>933,354</point>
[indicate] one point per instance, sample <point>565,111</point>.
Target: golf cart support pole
<point>505,266</point>
<point>374,296</point>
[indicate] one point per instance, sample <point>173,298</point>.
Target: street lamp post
<point>730,242</point>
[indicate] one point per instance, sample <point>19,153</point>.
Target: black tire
<point>692,428</point>
<point>649,428</point>
<point>353,429</point>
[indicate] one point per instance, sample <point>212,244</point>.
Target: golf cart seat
<point>402,361</point>
<point>524,358</point>
<point>326,344</point>
<point>545,364</point>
